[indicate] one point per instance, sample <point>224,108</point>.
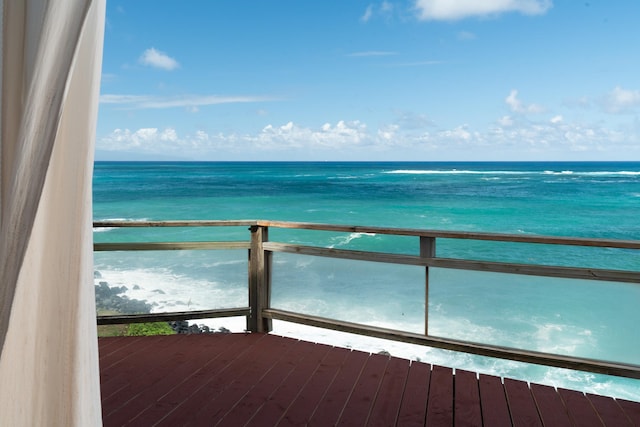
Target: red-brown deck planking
<point>609,411</point>
<point>440,400</point>
<point>580,409</point>
<point>522,406</point>
<point>388,400</point>
<point>467,410</point>
<point>268,380</point>
<point>495,411</point>
<point>413,409</point>
<point>632,410</point>
<point>313,392</point>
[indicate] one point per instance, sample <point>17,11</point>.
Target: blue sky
<point>423,80</point>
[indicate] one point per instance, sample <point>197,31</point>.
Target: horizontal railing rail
<point>527,356</point>
<point>259,312</point>
<point>460,264</point>
<point>173,316</point>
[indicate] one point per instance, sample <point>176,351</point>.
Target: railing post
<point>259,280</point>
<point>427,250</point>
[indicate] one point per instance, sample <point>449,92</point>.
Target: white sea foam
<point>102,229</point>
<point>120,219</point>
<point>345,240</point>
<point>170,292</point>
<point>510,172</point>
<point>454,171</point>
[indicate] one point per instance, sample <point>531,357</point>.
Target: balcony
<point>264,379</point>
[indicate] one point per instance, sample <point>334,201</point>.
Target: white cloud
<point>518,107</point>
<point>157,59</point>
<point>451,10</point>
<point>509,138</point>
<point>621,100</point>
<point>191,102</point>
<point>367,14</point>
<point>343,134</point>
<point>388,133</point>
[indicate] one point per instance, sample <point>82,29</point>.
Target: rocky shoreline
<point>113,299</point>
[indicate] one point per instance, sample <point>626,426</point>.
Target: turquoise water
<point>584,318</point>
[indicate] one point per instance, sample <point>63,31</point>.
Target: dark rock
<point>109,299</point>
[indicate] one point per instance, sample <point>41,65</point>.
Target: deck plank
<point>580,409</point>
<point>440,401</point>
<point>273,397</point>
<point>161,390</point>
<point>387,404</point>
<point>522,406</point>
<point>145,371</point>
<point>220,391</point>
<point>495,411</point>
<point>467,410</point>
<point>302,409</point>
<point>609,411</point>
<point>631,410</point>
<point>135,362</point>
<point>358,408</point>
<point>550,406</point>
<point>413,409</point>
<point>331,407</point>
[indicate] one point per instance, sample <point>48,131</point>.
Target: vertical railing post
<point>427,250</point>
<point>259,280</point>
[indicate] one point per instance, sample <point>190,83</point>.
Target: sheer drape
<point>51,60</point>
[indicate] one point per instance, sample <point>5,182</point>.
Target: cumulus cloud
<point>621,100</point>
<point>518,107</point>
<point>449,10</point>
<point>343,135</point>
<point>155,58</point>
<point>191,102</point>
<point>144,138</point>
<point>511,137</point>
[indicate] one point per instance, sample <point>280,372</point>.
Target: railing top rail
<point>185,223</point>
<point>468,235</point>
<point>517,238</point>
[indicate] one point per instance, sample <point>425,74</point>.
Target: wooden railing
<point>260,313</point>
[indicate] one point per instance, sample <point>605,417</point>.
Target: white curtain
<point>50,77</point>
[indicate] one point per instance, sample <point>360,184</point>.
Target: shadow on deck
<point>268,380</point>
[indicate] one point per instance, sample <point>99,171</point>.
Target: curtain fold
<point>51,64</point>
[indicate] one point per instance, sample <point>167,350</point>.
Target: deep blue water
<point>598,200</point>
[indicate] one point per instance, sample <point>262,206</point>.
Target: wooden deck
<point>268,380</point>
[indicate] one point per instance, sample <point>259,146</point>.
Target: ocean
<point>583,318</point>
